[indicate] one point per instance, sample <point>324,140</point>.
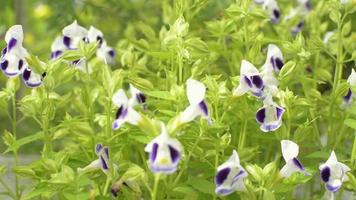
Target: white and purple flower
<point>290,151</point>
<point>351,80</point>
<point>273,10</point>
<point>270,115</point>
<point>250,80</point>
<point>332,173</point>
<point>198,107</point>
<point>126,111</point>
<point>104,52</point>
<point>164,153</point>
<point>101,163</point>
<point>230,176</point>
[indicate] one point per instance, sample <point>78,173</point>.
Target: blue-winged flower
<point>58,47</point>
<point>230,176</point>
<point>270,115</point>
<point>13,55</point>
<point>332,173</point>
<point>273,10</point>
<point>290,151</point>
<point>164,153</point>
<point>137,97</point>
<point>351,80</point>
<point>104,51</point>
<point>273,64</point>
<point>250,80</point>
<point>198,107</point>
<point>101,163</point>
<point>126,111</point>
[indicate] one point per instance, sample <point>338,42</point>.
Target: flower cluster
<point>13,58</point>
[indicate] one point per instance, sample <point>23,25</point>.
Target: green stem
<point>155,187</point>
<point>47,148</point>
<point>242,136</point>
<point>14,132</point>
<point>353,153</point>
<point>8,189</point>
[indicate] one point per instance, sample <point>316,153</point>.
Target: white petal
<point>189,114</point>
<point>103,54</point>
<point>58,44</point>
<point>93,33</point>
<point>96,164</point>
<point>242,88</point>
<point>134,91</point>
<point>290,150</point>
<point>132,117</point>
<point>195,91</point>
<point>239,185</point>
<point>327,36</point>
<point>120,98</point>
<point>234,157</point>
<point>352,78</point>
<point>15,32</point>
<point>332,158</point>
<point>270,6</point>
<point>74,30</point>
<point>288,169</point>
<point>274,51</point>
<point>248,69</point>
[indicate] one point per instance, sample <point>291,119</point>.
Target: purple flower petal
<point>98,148</point>
<point>141,98</point>
<point>66,41</point>
<point>224,191</point>
<point>175,155</point>
<point>248,81</point>
<point>279,63</point>
<point>153,153</point>
<point>26,75</point>
<point>221,176</point>
<point>276,14</point>
<point>297,163</point>
<point>261,115</point>
<point>348,96</point>
<point>119,112</point>
<point>279,112</point>
<point>3,52</point>
<point>325,174</point>
<point>4,64</point>
<point>104,165</point>
<point>333,188</point>
<point>11,44</point>
<point>204,108</point>
<point>237,176</point>
<point>20,64</point>
<point>106,151</point>
<point>257,81</point>
<point>111,53</point>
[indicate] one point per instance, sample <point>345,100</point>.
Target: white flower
<point>290,152</point>
<point>101,163</point>
<point>230,176</point>
<point>164,152</point>
<point>198,107</point>
<point>351,80</point>
<point>270,115</point>
<point>250,80</point>
<point>273,10</point>
<point>73,34</point>
<point>332,172</point>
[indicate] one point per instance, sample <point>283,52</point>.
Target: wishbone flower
<point>164,153</point>
<point>274,61</point>
<point>31,78</point>
<point>137,97</point>
<point>333,172</point>
<point>272,8</point>
<point>73,34</point>
<point>198,107</point>
<point>230,176</point>
<point>250,80</point>
<point>126,112</point>
<point>351,80</point>
<point>13,55</point>
<point>104,52</point>
<point>58,47</point>
<point>270,115</point>
<point>290,151</point>
<point>101,163</point>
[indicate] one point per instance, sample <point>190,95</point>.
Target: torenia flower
<point>164,153</point>
<point>333,172</point>
<point>290,152</point>
<point>104,52</point>
<point>73,34</point>
<point>137,97</point>
<point>198,107</point>
<point>230,176</point>
<point>58,47</point>
<point>13,55</point>
<point>352,82</point>
<point>126,112</point>
<point>270,115</point>
<point>272,8</point>
<point>31,78</point>
<point>101,163</point>
<point>297,28</point>
<point>250,80</point>
<point>274,61</point>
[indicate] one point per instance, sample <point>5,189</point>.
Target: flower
<point>351,80</point>
<point>73,34</point>
<point>104,52</point>
<point>58,47</point>
<point>273,10</point>
<point>101,163</point>
<point>274,61</point>
<point>290,152</point>
<point>230,176</point>
<point>31,78</point>
<point>126,112</point>
<point>270,115</point>
<point>164,153</point>
<point>198,107</point>
<point>250,80</point>
<point>333,172</point>
<point>296,29</point>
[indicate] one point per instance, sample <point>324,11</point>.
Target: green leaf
<point>287,69</point>
<point>202,185</point>
<point>25,140</point>
<point>350,123</point>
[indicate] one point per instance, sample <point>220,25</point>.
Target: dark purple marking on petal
<point>104,165</point>
<point>300,25</point>
<point>203,107</point>
<point>279,112</point>
<point>153,153</point>
<point>325,174</point>
<point>3,52</point>
<point>308,5</point>
<point>85,39</point>
<point>224,191</point>
<point>66,41</point>
<point>347,97</point>
<point>99,40</point>
<point>297,163</point>
<point>332,188</point>
<point>276,13</point>
<point>141,98</point>
<point>257,81</point>
<point>279,63</point>
<point>111,53</point>
<point>98,148</point>
<point>44,74</point>
<point>237,176</point>
<point>221,176</point>
<point>20,64</point>
<point>56,54</point>
<point>26,74</point>
<point>11,44</point>
<point>76,62</point>
<point>33,85</point>
<point>119,112</point>
<point>261,115</point>
<point>106,151</point>
<point>270,127</point>
<point>4,64</point>
<point>175,155</point>
<point>248,81</point>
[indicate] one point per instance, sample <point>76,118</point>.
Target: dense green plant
<point>178,81</point>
